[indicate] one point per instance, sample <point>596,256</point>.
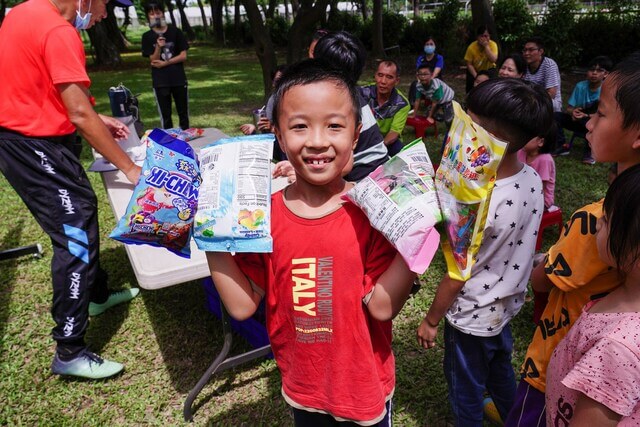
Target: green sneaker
<point>115,298</point>
<point>86,365</point>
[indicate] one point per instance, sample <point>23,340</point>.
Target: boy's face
<point>317,130</point>
<point>596,74</point>
<point>609,141</point>
<point>386,78</point>
<point>424,75</point>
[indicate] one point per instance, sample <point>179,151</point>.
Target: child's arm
<point>539,280</point>
<point>447,291</point>
<point>233,286</point>
<point>391,291</point>
<point>416,104</point>
<point>593,413</point>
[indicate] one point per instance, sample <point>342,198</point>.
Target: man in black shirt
<point>166,47</point>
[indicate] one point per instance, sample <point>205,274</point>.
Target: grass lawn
<point>167,338</point>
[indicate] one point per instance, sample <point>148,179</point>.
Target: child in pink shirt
<point>537,155</point>
<point>593,377</point>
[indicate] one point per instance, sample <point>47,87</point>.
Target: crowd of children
<point>333,284</point>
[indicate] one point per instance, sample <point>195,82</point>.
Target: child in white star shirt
<point>478,342</point>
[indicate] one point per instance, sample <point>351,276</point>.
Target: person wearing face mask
<point>166,47</point>
<point>44,101</point>
<point>430,58</point>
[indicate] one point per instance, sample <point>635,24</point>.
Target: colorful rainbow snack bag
<point>464,181</point>
<point>234,208</point>
<point>400,200</point>
<point>164,201</point>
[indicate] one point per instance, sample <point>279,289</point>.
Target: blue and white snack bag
<point>234,205</point>
<point>164,201</point>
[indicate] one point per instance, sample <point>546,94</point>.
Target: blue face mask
<point>82,22</point>
<point>429,49</point>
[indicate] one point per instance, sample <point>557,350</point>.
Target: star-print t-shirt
<point>495,292</point>
<point>599,358</point>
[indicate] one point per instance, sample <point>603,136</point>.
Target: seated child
<point>332,283</point>
<point>477,336</point>
<point>436,91</point>
<point>583,103</point>
<point>536,154</point>
<point>573,273</point>
<point>482,76</point>
<point>594,373</point>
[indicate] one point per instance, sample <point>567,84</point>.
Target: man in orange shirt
<point>44,99</point>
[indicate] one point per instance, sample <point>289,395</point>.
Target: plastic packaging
<point>234,207</point>
<point>164,201</point>
<point>464,181</point>
<point>400,200</point>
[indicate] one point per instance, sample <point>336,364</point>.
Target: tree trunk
<point>186,27</point>
<point>295,6</point>
<point>107,40</point>
<point>378,44</point>
<point>271,9</point>
<point>3,10</point>
<point>286,10</point>
<point>309,14</point>
<point>262,40</point>
<point>416,8</point>
<point>483,15</point>
<point>217,20</point>
<point>171,15</point>
<point>205,22</point>
<point>364,10</point>
<point>236,16</point>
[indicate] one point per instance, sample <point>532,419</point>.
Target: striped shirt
<point>548,76</point>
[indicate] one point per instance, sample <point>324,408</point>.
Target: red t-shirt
<point>38,49</point>
<point>332,355</point>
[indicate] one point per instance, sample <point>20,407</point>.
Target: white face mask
<point>158,22</point>
<point>82,22</point>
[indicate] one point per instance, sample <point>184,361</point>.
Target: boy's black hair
<point>625,78</point>
<point>622,211</point>
<point>311,71</point>
<point>430,37</point>
<point>422,66</point>
<point>514,108</point>
<point>148,7</point>
<point>521,64</point>
<point>536,40</point>
<point>388,62</point>
<point>484,73</point>
<point>601,61</point>
<point>343,51</point>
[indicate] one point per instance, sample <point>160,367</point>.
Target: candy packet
<point>164,201</point>
<point>464,181</point>
<point>400,200</point>
<point>234,207</point>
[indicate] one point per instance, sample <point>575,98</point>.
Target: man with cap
<point>166,47</point>
<point>44,100</point>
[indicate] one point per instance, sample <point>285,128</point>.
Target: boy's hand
<point>578,114</point>
<point>264,124</point>
<point>284,169</point>
<point>430,120</point>
<point>247,129</point>
<point>426,334</point>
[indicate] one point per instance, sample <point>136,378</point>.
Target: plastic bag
<point>164,201</point>
<point>234,207</point>
<point>464,181</point>
<point>400,200</point>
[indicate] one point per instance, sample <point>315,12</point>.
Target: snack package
<point>164,201</point>
<point>464,181</point>
<point>400,200</point>
<point>234,208</point>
